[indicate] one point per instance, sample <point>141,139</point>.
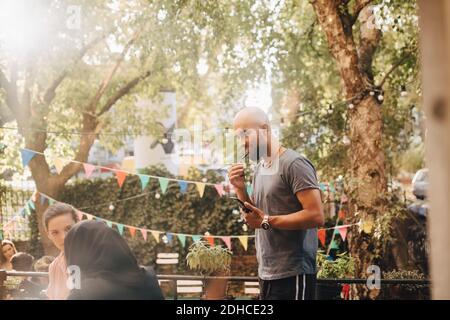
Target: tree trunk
<point>367,159</point>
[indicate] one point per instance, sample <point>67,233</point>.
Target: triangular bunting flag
<point>244,241</point>
<point>182,239</point>
<point>227,241</point>
<point>196,238</point>
<point>249,189</point>
<point>183,186</point>
<point>163,183</point>
<point>336,231</point>
<point>51,201</point>
<point>210,240</point>
<point>343,232</point>
<point>144,234</point>
<point>322,187</point>
<point>331,185</point>
<point>27,210</point>
<point>200,188</point>
<point>121,176</point>
<point>120,228</point>
<point>59,164</point>
<point>90,217</point>
<point>108,223</point>
<point>27,155</point>
<point>144,180</point>
<point>321,234</point>
<point>169,237</point>
<point>155,235</point>
<point>43,199</point>
<point>31,205</point>
<point>219,189</point>
<point>88,169</point>
<point>334,245</point>
<point>132,231</point>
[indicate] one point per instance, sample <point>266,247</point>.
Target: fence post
<point>2,279</point>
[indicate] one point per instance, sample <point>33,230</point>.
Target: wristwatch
<point>265,223</point>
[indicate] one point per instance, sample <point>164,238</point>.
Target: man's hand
<point>237,176</point>
<point>253,218</point>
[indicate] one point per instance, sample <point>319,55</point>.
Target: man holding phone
<point>285,209</point>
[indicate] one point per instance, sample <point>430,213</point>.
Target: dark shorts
<point>300,287</point>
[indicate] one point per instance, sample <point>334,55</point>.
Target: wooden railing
<point>175,277</point>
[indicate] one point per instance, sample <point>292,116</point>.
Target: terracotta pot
<point>216,289</point>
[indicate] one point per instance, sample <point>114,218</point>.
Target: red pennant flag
<point>343,232</point>
<point>227,241</point>
<point>121,176</point>
<point>321,233</point>
<point>219,189</point>
<point>88,169</point>
<point>132,231</point>
<point>144,234</point>
<point>210,240</point>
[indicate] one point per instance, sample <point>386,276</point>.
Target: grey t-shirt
<point>284,253</point>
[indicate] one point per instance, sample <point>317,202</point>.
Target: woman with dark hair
<point>108,270</point>
<point>8,249</point>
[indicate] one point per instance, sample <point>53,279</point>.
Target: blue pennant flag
<point>144,180</point>
<point>120,228</point>
<point>183,186</point>
<point>27,155</point>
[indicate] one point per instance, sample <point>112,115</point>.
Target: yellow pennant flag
<point>59,164</point>
<point>244,241</point>
<point>200,188</point>
<point>155,235</point>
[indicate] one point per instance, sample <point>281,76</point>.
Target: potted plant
<point>343,266</point>
<point>211,261</point>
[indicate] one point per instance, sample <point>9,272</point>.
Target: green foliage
<point>172,212</point>
<point>343,266</point>
<point>407,274</point>
<point>208,260</point>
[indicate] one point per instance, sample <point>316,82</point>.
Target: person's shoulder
<point>294,158</point>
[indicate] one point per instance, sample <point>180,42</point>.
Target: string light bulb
<point>403,91</point>
<point>345,140</point>
<point>157,196</point>
<point>111,207</point>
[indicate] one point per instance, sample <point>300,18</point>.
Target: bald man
<point>285,210</point>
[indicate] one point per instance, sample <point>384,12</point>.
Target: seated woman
<point>108,270</point>
<point>7,251</point>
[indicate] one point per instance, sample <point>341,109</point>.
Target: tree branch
<point>358,7</point>
<point>395,66</point>
<point>11,100</point>
<point>369,40</point>
<point>107,80</point>
<point>49,94</point>
<point>122,91</point>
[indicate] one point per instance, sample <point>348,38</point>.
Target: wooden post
<point>2,280</point>
<point>434,17</point>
